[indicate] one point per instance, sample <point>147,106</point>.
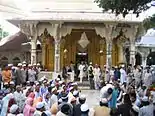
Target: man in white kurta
<point>123,77</point>
<point>97,73</point>
<point>19,98</point>
<point>81,69</point>
<point>147,78</point>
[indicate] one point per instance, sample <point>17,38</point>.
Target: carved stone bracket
<point>131,33</point>
<point>28,27</point>
<point>65,30</point>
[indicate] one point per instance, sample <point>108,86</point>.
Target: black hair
<point>66,109</point>
<point>82,101</point>
<point>127,99</point>
<point>110,90</point>
<point>43,114</point>
<point>49,89</point>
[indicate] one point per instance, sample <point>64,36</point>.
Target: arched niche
<point>4,61</point>
<point>15,61</point>
<point>151,59</point>
<point>47,46</point>
<point>138,58</point>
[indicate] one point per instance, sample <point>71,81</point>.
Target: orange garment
<point>6,75</point>
<point>101,111</point>
<point>54,109</point>
<point>37,100</point>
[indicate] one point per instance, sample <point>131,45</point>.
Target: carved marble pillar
<point>109,54</point>
<point>30,29</point>
<point>132,53</point>
<point>33,51</point>
<point>43,55</point>
<point>131,33</point>
<point>120,55</point>
<point>57,57</point>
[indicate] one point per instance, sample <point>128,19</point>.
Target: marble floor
<point>93,97</point>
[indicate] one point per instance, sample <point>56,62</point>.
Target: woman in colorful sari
<point>29,109</point>
<point>6,102</point>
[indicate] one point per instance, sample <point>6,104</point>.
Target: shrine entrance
<point>81,57</point>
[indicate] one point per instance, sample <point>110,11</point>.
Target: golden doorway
<point>95,50</point>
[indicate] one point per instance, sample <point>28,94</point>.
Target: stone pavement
<point>93,97</point>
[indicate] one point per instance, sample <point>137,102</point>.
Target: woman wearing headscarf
<point>6,104</point>
<point>29,109</point>
<point>31,95</point>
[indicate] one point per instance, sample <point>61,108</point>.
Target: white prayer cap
<point>75,93</point>
<point>29,65</point>
<point>54,89</point>
<point>40,105</point>
<point>34,64</point>
<point>52,85</point>
<point>13,67</point>
<point>122,65</point>
<point>10,64</point>
<point>60,82</point>
<point>12,83</point>
<point>84,107</point>
<point>19,64</point>
<point>116,66</point>
<point>24,62</point>
<point>5,83</point>
<point>44,81</point>
<point>24,65</point>
<point>82,97</point>
<point>38,64</point>
<point>60,100</point>
<point>71,88</point>
<point>58,79</point>
<point>104,100</point>
<point>74,84</point>
<point>90,63</point>
<point>145,99</point>
<point>14,108</point>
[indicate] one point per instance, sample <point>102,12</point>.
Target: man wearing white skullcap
<point>19,78</point>
<point>82,100</point>
<point>40,108</point>
<point>84,110</point>
<point>14,110</point>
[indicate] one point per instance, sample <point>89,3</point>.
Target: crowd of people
<point>123,90</point>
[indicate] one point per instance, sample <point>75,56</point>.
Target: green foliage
<point>3,33</point>
<point>149,22</point>
<point>124,7</point>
